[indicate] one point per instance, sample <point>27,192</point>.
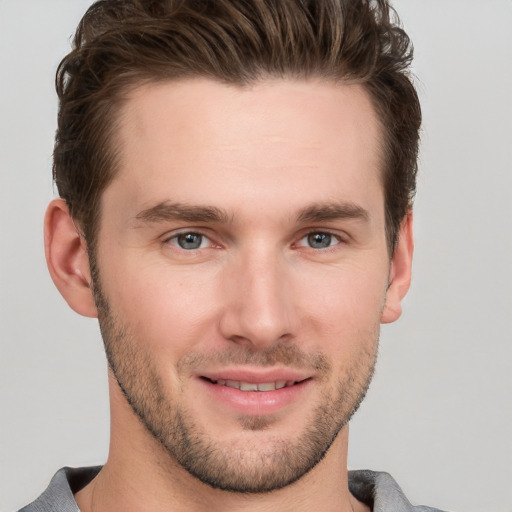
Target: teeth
<point>251,386</point>
<point>247,386</point>
<point>267,386</point>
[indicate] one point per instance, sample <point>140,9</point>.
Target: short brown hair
<point>122,43</point>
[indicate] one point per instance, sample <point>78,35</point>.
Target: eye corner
<point>187,240</point>
<point>320,240</point>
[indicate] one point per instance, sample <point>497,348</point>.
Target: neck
<point>140,475</point>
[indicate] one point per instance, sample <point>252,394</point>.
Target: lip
<point>256,376</point>
<point>255,403</point>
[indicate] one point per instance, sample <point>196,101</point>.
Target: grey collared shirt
<point>378,490</point>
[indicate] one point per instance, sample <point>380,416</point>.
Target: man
<point>236,182</point>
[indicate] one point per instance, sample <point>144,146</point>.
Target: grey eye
<point>319,240</point>
<point>189,240</point>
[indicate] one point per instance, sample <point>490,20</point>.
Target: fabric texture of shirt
<point>377,490</point>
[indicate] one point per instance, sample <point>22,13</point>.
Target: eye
<point>319,240</point>
<point>189,241</point>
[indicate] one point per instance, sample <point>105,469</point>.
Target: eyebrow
<point>167,211</point>
<point>333,211</point>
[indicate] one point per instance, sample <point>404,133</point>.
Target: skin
<point>280,163</point>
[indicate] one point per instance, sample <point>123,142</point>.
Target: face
<point>242,272</point>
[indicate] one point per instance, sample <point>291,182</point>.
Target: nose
<point>258,308</point>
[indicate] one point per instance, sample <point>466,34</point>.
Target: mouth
<point>253,386</point>
<point>255,393</point>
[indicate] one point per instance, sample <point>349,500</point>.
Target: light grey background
<point>439,414</point>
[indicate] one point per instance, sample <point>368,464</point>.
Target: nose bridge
<point>260,310</point>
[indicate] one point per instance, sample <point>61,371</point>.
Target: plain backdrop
<point>439,413</point>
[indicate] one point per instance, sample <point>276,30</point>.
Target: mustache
<point>280,354</point>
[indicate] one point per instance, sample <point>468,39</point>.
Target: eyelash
<point>331,237</point>
<point>174,240</point>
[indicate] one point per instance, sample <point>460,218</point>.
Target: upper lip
<point>256,376</point>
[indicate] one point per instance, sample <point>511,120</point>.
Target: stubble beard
<point>245,467</point>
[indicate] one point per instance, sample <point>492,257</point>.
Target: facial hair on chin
<point>245,467</point>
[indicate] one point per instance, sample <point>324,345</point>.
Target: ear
<point>67,260</point>
<point>400,272</point>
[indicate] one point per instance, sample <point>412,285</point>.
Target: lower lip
<point>256,403</point>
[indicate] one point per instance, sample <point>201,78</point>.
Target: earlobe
<point>400,272</point>
<point>67,259</point>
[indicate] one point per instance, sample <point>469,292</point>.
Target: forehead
<point>203,139</point>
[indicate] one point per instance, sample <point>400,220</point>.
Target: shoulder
<point>59,495</point>
<point>381,492</point>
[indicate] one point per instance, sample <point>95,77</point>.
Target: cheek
<point>165,309</point>
<point>346,308</point>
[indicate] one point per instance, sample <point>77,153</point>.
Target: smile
<point>253,386</point>
<point>255,393</point>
